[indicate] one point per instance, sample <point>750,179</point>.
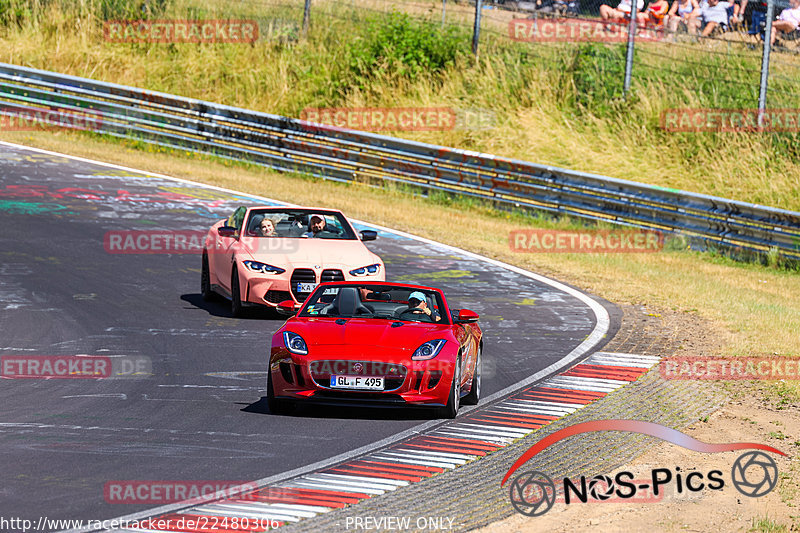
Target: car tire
<point>205,280</point>
<point>276,406</point>
<point>454,398</point>
<point>475,390</point>
<point>236,297</point>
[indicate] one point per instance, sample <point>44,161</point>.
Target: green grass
<point>767,525</point>
<point>558,104</point>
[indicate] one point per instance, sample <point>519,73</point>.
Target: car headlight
<point>295,343</point>
<point>428,350</point>
<point>263,268</point>
<point>369,270</point>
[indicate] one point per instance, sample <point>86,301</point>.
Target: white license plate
<point>306,287</point>
<point>356,382</point>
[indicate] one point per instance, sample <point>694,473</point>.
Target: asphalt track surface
<point>200,414</point>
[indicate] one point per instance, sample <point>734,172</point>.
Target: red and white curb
<point>447,447</point>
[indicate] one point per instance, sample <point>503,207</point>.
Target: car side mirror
<point>369,235</point>
<point>286,308</point>
<point>226,231</point>
<point>465,316</point>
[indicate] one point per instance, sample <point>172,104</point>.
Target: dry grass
<point>758,307</point>
<point>533,122</point>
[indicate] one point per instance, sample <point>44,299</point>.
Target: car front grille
<point>331,274</point>
<point>393,374</point>
<point>302,275</point>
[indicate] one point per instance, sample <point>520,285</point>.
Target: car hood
<point>323,252</point>
<point>366,332</point>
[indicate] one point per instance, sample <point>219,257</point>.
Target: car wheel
<point>454,398</point>
<point>236,298</point>
<point>475,391</point>
<point>205,280</point>
<point>276,406</point>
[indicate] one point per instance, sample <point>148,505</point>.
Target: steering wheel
<point>415,311</point>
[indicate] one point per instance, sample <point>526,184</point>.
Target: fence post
<point>306,16</point>
<point>476,31</point>
<point>444,8</point>
<point>629,52</point>
<point>762,93</point>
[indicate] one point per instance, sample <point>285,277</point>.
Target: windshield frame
<point>348,231</point>
<point>439,299</point>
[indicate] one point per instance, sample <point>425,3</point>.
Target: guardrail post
<point>444,9</point>
<point>476,31</point>
<point>306,16</point>
<point>762,93</point>
<point>629,53</point>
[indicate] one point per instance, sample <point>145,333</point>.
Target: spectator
<point>711,17</point>
<point>737,20</point>
<point>657,13</point>
<point>787,21</point>
<point>623,12</point>
<point>679,14</point>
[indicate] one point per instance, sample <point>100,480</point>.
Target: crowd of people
<point>695,17</point>
<point>708,17</point>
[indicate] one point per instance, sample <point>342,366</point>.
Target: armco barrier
<point>344,155</point>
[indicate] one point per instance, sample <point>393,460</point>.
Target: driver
<point>417,300</point>
<point>316,225</point>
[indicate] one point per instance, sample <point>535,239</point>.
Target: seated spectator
<point>711,17</point>
<point>737,20</point>
<point>623,12</point>
<point>788,20</point>
<point>657,13</point>
<point>679,14</point>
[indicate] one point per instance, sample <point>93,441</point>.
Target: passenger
<point>266,228</point>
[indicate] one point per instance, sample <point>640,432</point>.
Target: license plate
<point>306,287</point>
<point>356,382</point>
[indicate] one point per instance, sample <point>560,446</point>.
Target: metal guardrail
<point>344,155</point>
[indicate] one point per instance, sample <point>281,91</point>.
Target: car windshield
<point>298,224</point>
<point>407,304</point>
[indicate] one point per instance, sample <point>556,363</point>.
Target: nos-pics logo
<point>533,493</point>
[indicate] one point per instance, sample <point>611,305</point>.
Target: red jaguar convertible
<point>377,344</point>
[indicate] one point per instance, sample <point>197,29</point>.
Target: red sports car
<point>376,343</point>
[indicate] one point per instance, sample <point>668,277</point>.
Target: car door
<point>468,341</point>
<point>225,248</point>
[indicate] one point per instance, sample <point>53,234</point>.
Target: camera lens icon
<point>754,474</point>
<point>532,493</point>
